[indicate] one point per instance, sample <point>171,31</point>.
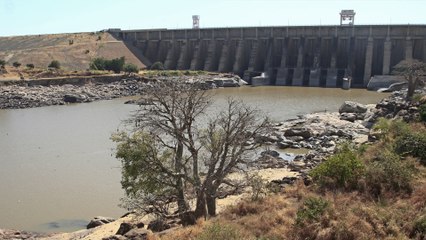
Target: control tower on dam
<point>288,55</point>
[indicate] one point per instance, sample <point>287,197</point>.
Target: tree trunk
<point>182,206</point>
<point>200,209</point>
<point>211,203</point>
<point>411,87</point>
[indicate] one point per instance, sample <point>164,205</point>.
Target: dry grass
<point>348,214</point>
<point>40,50</point>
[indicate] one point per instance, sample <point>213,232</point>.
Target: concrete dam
<point>319,56</point>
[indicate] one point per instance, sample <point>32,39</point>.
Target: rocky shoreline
<point>317,133</point>
<point>40,93</point>
<point>321,133</point>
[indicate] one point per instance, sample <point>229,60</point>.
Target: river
<point>57,164</point>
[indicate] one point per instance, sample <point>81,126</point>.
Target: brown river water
<point>57,164</point>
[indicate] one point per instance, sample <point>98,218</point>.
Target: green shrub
<point>2,63</point>
<point>311,211</point>
<point>412,143</point>
<point>157,66</point>
<point>30,66</point>
<point>17,64</point>
<point>388,129</point>
<point>98,64</point>
<point>389,173</point>
<point>54,64</point>
<point>116,65</point>
<point>419,229</point>
<point>422,112</point>
<point>131,68</point>
<point>220,232</point>
<point>342,170</point>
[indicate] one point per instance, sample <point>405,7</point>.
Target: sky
<point>28,17</point>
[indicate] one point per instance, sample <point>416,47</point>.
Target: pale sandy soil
<point>111,228</point>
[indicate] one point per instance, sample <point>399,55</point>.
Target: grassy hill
<point>73,50</point>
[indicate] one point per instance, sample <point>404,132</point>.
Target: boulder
<point>158,226</point>
<point>284,144</point>
<point>271,153</point>
<point>137,234</point>
<point>73,98</point>
<point>303,132</point>
<point>98,221</point>
<point>125,227</point>
<point>115,237</point>
<point>351,117</point>
<point>352,107</point>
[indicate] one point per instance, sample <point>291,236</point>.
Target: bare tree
<point>226,140</point>
<point>154,157</point>
<point>411,69</point>
<point>167,153</point>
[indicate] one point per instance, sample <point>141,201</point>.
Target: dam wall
<point>292,56</point>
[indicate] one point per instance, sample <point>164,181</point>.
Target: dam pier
<point>318,56</point>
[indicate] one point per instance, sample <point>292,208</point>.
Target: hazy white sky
<point>21,17</point>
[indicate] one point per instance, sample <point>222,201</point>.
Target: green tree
<point>2,63</point>
<point>30,66</point>
<point>411,69</point>
<point>54,64</point>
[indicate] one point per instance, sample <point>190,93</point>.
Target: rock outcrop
<point>98,221</point>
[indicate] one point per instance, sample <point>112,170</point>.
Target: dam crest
<point>319,56</point>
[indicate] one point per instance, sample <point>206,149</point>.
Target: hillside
<point>73,50</point>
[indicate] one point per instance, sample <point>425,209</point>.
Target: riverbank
<point>18,94</point>
<point>320,133</point>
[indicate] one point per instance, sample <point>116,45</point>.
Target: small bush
<point>388,129</point>
<point>219,231</point>
<point>17,64</point>
<point>157,66</point>
<point>98,64</point>
<point>2,63</point>
<point>54,64</point>
<point>130,68</point>
<point>116,65</point>
<point>87,51</point>
<point>30,66</point>
<point>388,173</point>
<point>412,143</point>
<point>342,170</point>
<point>422,112</point>
<point>258,186</point>
<point>311,211</point>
